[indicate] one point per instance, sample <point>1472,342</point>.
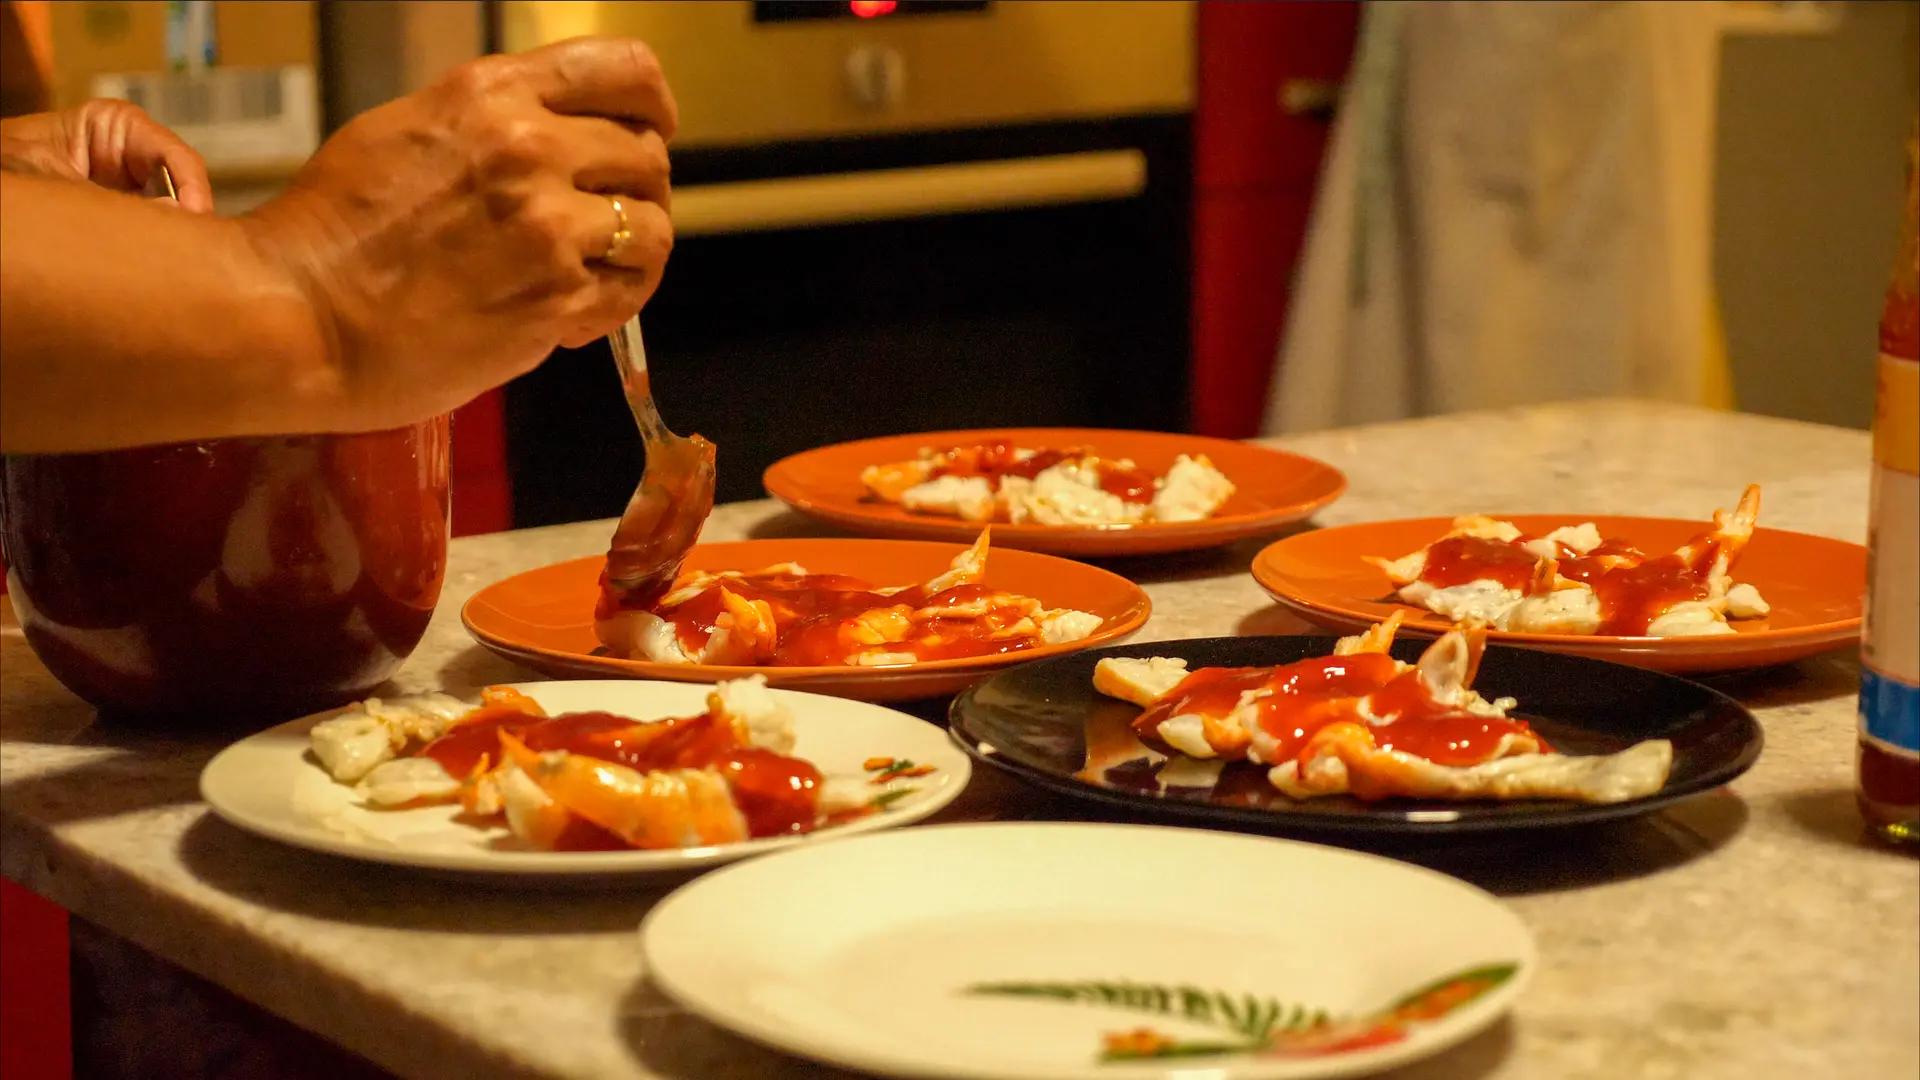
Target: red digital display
<point>781,11</point>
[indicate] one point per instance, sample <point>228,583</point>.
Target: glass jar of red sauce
<point>236,580</point>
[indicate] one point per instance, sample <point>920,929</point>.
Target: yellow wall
<point>1810,160</point>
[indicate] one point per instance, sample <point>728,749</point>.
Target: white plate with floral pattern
<point>271,784</point>
<point>1017,951</point>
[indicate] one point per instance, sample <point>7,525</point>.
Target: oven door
<point>846,288</point>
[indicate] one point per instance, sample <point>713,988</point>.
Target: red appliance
<point>482,497</point>
<point>1269,75</point>
<point>35,1026</point>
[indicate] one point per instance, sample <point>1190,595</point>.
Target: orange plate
<point>543,619</point>
<point>1813,584</point>
<point>1273,489</point>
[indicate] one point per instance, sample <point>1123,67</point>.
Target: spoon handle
<point>160,184</point>
<point>630,354</point>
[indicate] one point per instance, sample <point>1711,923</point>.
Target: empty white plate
<point>1067,951</point>
<point>270,784</point>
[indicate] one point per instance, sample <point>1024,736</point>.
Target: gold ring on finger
<point>621,234</point>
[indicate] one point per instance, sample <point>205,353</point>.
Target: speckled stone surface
<point>1748,933</point>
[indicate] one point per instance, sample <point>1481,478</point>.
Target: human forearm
<point>124,323</point>
<point>434,248</point>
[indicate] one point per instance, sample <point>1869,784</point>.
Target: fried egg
<point>1345,742</point>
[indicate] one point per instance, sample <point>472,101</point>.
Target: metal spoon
<point>675,495</point>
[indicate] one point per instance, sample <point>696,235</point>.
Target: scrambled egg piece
<point>373,732</point>
<point>1068,492</point>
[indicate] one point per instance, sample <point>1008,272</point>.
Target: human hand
<point>111,143</point>
<point>451,239</point>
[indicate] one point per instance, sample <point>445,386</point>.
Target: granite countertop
<point>1750,932</point>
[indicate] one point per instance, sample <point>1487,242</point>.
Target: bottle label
<point>1890,646</point>
<point>1890,713</point>
<point>1896,415</point>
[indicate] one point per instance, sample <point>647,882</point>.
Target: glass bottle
<point>1889,755</point>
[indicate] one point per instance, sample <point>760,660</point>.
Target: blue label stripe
<point>1890,710</point>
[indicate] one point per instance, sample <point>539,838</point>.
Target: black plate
<point>1032,721</point>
